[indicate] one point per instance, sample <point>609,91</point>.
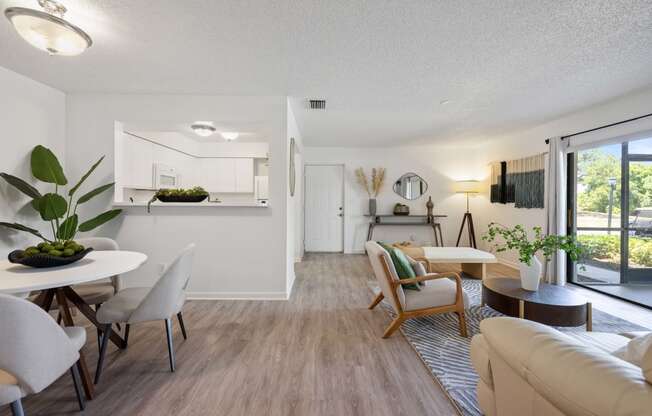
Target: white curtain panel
<point>555,205</point>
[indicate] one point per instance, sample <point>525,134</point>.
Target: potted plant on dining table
<point>517,238</point>
<point>61,214</point>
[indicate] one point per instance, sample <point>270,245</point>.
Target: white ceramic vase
<point>530,275</point>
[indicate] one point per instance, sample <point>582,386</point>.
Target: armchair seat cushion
<point>77,335</point>
<point>438,292</point>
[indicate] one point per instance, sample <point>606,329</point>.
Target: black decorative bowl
<point>181,198</point>
<point>45,260</point>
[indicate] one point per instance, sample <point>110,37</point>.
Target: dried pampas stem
<point>362,180</point>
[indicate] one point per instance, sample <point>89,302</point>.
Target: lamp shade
<point>467,187</point>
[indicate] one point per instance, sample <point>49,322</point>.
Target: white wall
<point>241,252</point>
<point>532,141</point>
<point>440,166</point>
<point>30,114</point>
<point>294,203</point>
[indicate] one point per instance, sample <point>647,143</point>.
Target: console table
<point>408,221</point>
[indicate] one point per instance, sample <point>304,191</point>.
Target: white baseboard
<point>287,296</point>
<point>355,252</point>
<point>237,295</point>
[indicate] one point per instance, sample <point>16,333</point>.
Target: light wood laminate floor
<point>320,353</point>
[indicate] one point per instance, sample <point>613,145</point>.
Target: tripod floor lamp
<point>467,187</point>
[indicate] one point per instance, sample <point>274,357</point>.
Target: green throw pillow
<point>401,264</point>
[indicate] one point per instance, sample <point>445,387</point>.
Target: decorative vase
<point>530,275</point>
<point>372,207</point>
<point>429,206</point>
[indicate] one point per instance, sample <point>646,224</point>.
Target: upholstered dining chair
<point>35,352</point>
<point>440,294</point>
<point>142,304</point>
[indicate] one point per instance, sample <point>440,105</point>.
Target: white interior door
<point>324,213</point>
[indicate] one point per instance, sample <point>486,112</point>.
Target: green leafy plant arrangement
<point>517,239</point>
<point>195,194</point>
<point>53,207</point>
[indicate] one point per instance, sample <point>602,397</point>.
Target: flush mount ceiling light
<point>47,30</point>
<point>203,128</point>
<point>230,136</point>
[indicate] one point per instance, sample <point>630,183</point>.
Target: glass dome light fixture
<point>230,136</point>
<point>47,30</point>
<point>203,128</point>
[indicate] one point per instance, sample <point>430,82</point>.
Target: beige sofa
<point>527,368</point>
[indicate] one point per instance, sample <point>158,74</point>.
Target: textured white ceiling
<point>383,66</point>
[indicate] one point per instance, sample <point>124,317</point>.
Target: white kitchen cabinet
<point>218,174</point>
<point>227,175</point>
<point>244,175</point>
<point>138,159</point>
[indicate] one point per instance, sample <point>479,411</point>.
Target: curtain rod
<point>525,157</point>
<point>602,127</point>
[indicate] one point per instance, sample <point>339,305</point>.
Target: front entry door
<point>324,208</point>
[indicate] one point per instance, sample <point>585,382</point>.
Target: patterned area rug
<point>437,341</point>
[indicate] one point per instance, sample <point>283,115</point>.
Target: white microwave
<point>165,177</point>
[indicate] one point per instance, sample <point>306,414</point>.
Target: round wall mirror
<point>410,186</point>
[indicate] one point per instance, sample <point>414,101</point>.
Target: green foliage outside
<point>595,167</point>
<point>607,248</point>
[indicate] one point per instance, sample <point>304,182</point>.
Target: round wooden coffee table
<point>550,305</point>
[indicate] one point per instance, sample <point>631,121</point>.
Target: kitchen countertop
<point>191,204</point>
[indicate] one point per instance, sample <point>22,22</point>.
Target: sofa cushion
<point>480,359</point>
<point>575,378</point>
<point>635,350</point>
<point>604,341</point>
<point>646,365</point>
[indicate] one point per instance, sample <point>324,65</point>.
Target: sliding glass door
<point>610,212</point>
<point>638,255</point>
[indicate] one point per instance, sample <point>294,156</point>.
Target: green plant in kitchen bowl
<point>54,208</point>
<point>195,194</point>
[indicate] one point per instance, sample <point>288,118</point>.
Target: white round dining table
<point>16,278</point>
<point>59,281</point>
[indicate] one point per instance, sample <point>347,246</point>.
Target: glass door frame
<point>631,275</point>
<point>627,274</point>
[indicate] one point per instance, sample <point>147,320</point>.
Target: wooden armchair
<point>440,295</point>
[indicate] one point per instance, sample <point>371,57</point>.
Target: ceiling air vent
<point>317,104</point>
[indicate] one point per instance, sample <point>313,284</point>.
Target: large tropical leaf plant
<point>52,206</point>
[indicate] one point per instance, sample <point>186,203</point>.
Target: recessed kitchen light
<point>47,30</point>
<point>444,102</point>
<point>203,128</point>
<point>230,136</point>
